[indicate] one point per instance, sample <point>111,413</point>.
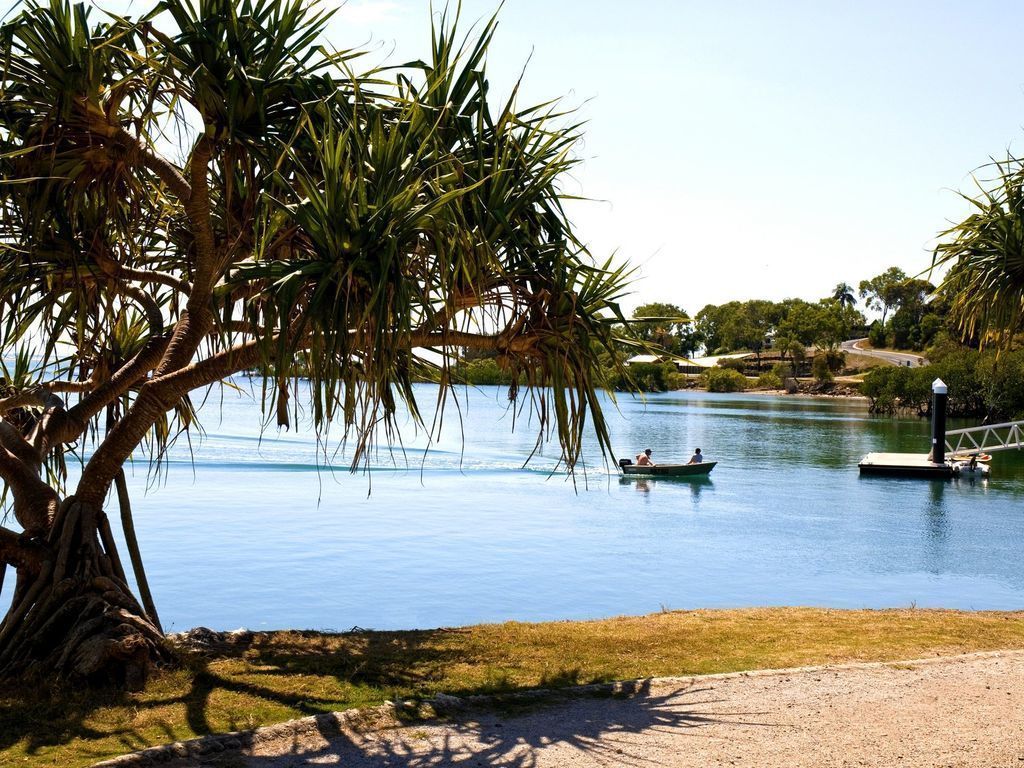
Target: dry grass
<point>858,363</point>
<point>271,677</point>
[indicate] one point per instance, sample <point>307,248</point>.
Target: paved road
<point>899,358</point>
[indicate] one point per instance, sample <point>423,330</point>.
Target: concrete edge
<point>334,723</point>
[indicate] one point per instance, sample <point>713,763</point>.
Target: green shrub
<point>483,372</point>
<point>835,359</point>
<point>931,327</point>
<point>942,346</point>
<point>892,388</point>
<point>724,380</point>
<point>820,368</point>
<point>876,335</point>
<point>976,383</point>
<point>968,384</point>
<point>782,371</point>
<point>650,377</point>
<point>769,380</point>
<point>675,380</point>
<point>1004,379</point>
<point>733,364</point>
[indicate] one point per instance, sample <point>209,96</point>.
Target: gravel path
<point>961,711</point>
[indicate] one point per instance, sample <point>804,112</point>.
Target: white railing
<point>993,437</point>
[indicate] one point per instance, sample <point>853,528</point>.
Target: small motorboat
<point>970,469</point>
<point>666,470</point>
<point>967,456</point>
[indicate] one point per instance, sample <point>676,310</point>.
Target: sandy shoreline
<point>776,393</point>
<point>955,711</point>
<point>809,395</point>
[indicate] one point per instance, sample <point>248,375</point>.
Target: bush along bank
<point>986,384</point>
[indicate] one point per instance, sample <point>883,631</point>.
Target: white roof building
<point>711,362</point>
<point>641,359</point>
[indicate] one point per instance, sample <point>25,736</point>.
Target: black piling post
<point>939,398</point>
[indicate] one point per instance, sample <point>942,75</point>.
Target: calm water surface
<point>254,531</point>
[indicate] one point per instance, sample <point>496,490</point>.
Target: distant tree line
<point>913,316</point>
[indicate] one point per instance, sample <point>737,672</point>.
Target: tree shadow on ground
<point>377,666</point>
<point>601,727</point>
<point>37,716</point>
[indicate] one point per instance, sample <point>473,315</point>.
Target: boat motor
<point>625,462</point>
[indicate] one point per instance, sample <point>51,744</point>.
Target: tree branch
<point>74,421</point>
<point>20,552</point>
<point>163,169</point>
<point>62,385</point>
<point>115,269</point>
<point>35,503</point>
<point>151,403</point>
<point>53,409</point>
<point>456,304</point>
<point>12,469</point>
<point>35,396</point>
<point>197,319</point>
<point>156,397</point>
<point>198,210</point>
<point>217,367</point>
<point>210,370</point>
<point>148,304</point>
<point>19,447</point>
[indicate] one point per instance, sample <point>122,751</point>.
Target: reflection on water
<point>262,536</point>
<point>938,535</point>
<point>643,486</point>
<point>648,484</point>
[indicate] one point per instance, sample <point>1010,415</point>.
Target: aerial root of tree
<point>79,620</point>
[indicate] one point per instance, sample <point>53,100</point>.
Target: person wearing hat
<point>644,459</point>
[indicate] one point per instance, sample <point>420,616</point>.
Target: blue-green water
<point>255,532</point>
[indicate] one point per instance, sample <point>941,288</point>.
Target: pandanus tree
<point>209,189</point>
<point>985,257</point>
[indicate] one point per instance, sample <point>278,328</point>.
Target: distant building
<point>649,359</point>
<point>686,364</point>
<point>703,363</point>
<point>682,364</point>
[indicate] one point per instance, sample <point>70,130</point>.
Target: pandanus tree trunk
<point>74,616</point>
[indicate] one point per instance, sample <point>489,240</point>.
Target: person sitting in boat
<point>697,458</point>
<point>644,459</point>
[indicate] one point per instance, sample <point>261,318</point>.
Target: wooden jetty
<point>966,448</point>
<point>904,465</point>
<point>932,464</point>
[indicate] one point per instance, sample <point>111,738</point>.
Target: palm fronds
<point>337,219</point>
<point>985,255</point>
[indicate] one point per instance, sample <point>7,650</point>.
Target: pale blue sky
<point>753,149</point>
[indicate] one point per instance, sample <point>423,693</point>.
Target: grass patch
<point>271,677</point>
<point>860,363</point>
